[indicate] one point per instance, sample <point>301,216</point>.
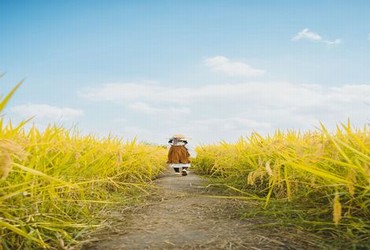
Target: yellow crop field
<point>319,180</point>
<point>54,182</point>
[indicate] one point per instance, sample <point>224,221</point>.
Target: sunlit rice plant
<point>55,183</point>
<point>325,174</point>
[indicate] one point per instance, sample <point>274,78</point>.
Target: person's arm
<point>187,152</point>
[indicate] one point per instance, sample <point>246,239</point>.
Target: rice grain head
<point>337,210</point>
<point>250,179</point>
<point>7,149</point>
<point>5,165</point>
<point>268,168</point>
<point>352,179</point>
<point>10,147</point>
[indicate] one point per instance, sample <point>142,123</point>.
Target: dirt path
<point>183,215</point>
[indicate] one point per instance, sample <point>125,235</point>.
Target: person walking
<point>178,154</point>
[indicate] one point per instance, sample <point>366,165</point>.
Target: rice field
<point>317,180</point>
<point>55,183</point>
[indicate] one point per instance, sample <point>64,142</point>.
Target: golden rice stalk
<point>268,168</point>
<point>337,210</point>
<point>5,165</point>
<point>251,179</point>
<point>260,162</point>
<point>351,180</point>
<point>8,148</point>
<point>259,173</point>
<point>11,147</point>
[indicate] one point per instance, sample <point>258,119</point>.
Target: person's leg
<point>184,171</point>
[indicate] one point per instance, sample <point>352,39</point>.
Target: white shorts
<point>179,165</point>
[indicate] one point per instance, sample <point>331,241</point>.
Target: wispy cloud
<point>306,34</point>
<point>293,94</point>
<point>44,111</point>
<point>230,123</point>
<point>232,68</point>
<point>120,91</point>
<point>164,111</point>
<point>315,101</point>
<point>219,110</point>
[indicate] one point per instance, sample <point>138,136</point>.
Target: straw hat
<point>179,136</point>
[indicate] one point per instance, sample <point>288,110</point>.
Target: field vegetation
<point>56,184</point>
<point>316,180</point>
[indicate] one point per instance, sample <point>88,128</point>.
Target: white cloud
<point>216,112</point>
<point>44,111</point>
<point>131,93</point>
<point>131,132</point>
<point>232,68</point>
<point>227,128</point>
<point>336,41</point>
<point>120,91</point>
<point>165,111</point>
<point>306,34</point>
<point>230,123</point>
<point>269,93</point>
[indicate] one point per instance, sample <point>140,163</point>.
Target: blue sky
<point>214,70</point>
